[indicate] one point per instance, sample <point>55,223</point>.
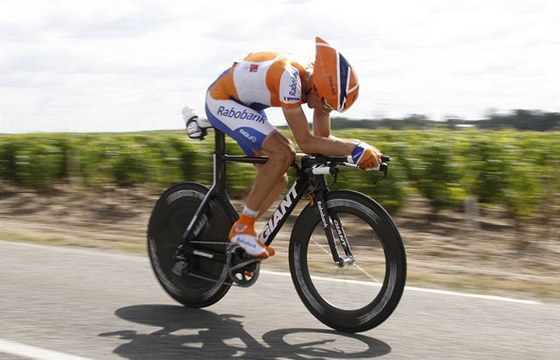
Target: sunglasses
<point>326,104</point>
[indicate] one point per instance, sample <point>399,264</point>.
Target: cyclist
<point>235,105</point>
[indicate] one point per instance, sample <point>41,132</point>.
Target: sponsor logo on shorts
<point>251,138</point>
<point>243,115</point>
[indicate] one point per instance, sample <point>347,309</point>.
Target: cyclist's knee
<point>282,181</point>
<point>279,149</point>
<point>289,152</point>
<point>285,155</point>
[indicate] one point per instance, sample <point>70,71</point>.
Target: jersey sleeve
<point>290,92</point>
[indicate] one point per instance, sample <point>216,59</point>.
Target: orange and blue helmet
<point>334,79</point>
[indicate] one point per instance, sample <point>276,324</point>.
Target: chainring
<point>243,270</point>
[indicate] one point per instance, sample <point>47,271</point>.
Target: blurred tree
<point>434,173</point>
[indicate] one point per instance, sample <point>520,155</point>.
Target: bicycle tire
<point>380,253</point>
<point>169,219</point>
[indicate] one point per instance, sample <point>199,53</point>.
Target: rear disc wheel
<point>169,219</point>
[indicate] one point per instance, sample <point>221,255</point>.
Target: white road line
<point>431,291</point>
<point>33,352</point>
<point>476,296</point>
<point>285,274</point>
<point>78,250</point>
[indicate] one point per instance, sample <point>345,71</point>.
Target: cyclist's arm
<point>315,143</point>
<point>321,124</point>
<point>321,117</point>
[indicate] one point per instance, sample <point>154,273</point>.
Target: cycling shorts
<point>248,125</point>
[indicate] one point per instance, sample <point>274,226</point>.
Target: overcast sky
<point>99,65</point>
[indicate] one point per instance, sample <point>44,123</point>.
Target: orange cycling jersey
<point>235,102</point>
<point>261,80</point>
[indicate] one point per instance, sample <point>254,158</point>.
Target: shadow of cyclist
<point>221,336</point>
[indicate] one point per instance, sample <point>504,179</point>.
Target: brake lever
<point>384,168</point>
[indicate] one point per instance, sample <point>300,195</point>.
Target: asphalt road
<point>71,304</point>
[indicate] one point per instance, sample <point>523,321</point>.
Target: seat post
<point>219,161</point>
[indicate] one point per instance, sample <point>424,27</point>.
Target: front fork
<point>332,225</point>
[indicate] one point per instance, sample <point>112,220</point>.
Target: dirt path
<point>446,253</point>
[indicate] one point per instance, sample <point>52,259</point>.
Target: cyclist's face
<point>316,103</point>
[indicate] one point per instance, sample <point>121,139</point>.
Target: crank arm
<point>207,254</point>
<point>243,264</point>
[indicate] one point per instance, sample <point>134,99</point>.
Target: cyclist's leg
<point>255,135</point>
<point>271,178</point>
<point>267,186</point>
<point>274,194</point>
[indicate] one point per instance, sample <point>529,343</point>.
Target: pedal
<point>243,270</point>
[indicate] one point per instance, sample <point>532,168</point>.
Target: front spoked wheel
<point>365,291</point>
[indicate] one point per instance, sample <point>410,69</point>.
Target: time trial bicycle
<point>346,256</point>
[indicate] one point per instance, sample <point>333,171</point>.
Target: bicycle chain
<point>212,280</point>
<point>211,242</point>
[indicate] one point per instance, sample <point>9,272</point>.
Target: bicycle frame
<point>196,264</point>
<point>301,185</point>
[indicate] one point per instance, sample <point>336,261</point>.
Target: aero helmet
<point>333,77</point>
